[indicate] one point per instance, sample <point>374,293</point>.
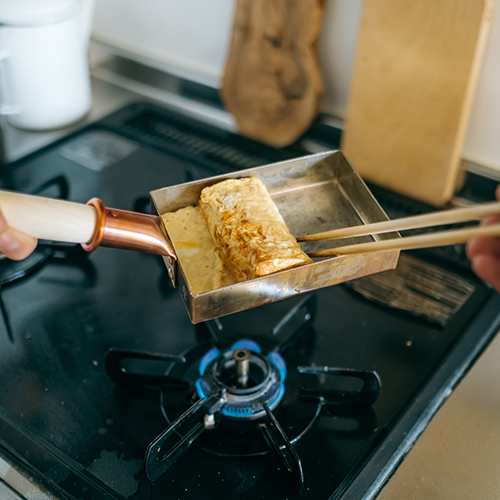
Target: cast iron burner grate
<point>244,379</point>
<point>247,397</point>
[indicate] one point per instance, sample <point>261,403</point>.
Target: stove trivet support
<point>283,449</point>
<point>6,317</point>
<point>118,359</point>
<point>287,331</point>
<point>165,450</point>
<point>365,396</point>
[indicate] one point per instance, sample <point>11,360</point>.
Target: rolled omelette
<point>196,250</point>
<point>248,230</point>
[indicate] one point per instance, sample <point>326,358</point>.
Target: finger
<point>487,268</point>
<point>483,245</point>
<point>16,245</point>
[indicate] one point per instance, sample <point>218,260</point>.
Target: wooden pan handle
<point>92,224</point>
<point>47,218</point>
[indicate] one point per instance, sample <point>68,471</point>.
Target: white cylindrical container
<point>44,72</point>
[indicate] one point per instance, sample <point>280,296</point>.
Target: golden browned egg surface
<point>249,232</point>
<point>196,251</point>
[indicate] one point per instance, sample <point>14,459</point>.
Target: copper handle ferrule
<point>130,230</point>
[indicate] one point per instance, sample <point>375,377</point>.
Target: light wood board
<point>272,83</point>
<point>413,83</point>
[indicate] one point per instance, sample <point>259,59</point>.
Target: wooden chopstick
<point>419,221</point>
<point>441,238</point>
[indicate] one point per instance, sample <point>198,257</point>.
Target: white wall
<point>190,38</point>
<point>483,139</point>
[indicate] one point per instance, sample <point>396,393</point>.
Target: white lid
<point>36,12</point>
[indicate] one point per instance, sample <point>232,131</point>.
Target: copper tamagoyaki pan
<point>313,193</point>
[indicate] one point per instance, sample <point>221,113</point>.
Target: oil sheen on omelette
<point>196,251</point>
<point>235,234</point>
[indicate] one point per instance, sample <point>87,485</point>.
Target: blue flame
<point>214,353</point>
<point>248,344</point>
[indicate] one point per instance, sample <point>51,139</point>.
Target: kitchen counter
<point>457,456</point>
<point>105,99</point>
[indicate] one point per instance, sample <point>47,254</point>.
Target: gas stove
<point>222,397</point>
<point>110,392</point>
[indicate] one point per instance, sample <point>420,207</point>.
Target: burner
<point>245,377</point>
<point>236,399</point>
<point>213,375</point>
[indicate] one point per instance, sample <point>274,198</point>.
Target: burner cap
<point>247,378</point>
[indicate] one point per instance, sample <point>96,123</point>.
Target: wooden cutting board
<point>272,83</point>
<point>414,75</point>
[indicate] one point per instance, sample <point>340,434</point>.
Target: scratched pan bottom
<point>313,193</point>
<point>318,206</point>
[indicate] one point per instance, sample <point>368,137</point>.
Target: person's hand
<point>14,244</point>
<point>484,253</point>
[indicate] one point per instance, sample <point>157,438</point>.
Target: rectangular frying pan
<point>313,194</point>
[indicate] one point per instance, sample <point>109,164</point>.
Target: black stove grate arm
<point>366,395</point>
<point>171,444</point>
<point>292,327</point>
<point>120,370</point>
<point>283,449</point>
<point>300,314</point>
<point>60,182</point>
<point>6,318</point>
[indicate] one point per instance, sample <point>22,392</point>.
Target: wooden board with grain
<point>272,82</point>
<point>414,75</point>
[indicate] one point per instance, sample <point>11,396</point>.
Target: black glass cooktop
<point>409,336</point>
